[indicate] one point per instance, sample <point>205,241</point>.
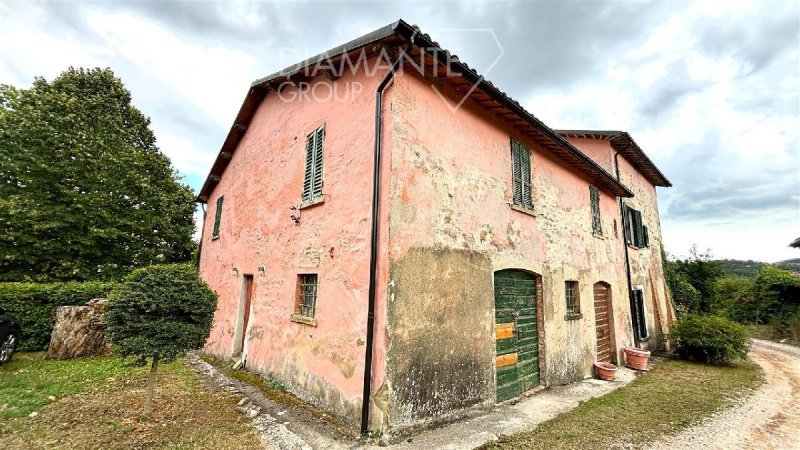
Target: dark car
<point>10,331</point>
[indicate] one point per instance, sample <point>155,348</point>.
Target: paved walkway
<point>283,427</point>
<point>525,415</point>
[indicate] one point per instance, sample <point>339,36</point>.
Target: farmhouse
<point>385,224</point>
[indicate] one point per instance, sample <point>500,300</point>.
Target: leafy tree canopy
<point>160,312</point>
<point>84,191</point>
<point>701,272</point>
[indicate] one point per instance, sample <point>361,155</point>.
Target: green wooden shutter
<point>594,199</point>
<point>645,237</point>
<point>217,217</point>
<point>318,144</point>
<point>309,173</point>
<point>627,218</point>
<point>641,320</point>
<point>525,169</point>
<point>312,178</point>
<point>639,236</point>
<point>516,171</point>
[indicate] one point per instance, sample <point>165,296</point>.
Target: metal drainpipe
<point>373,256</point>
<point>202,230</point>
<point>627,258</point>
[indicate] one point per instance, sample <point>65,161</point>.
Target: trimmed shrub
<point>157,314</point>
<point>710,339</point>
<point>34,305</point>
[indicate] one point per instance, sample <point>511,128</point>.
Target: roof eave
<point>622,140</point>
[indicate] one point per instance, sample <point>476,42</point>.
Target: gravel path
<point>769,419</point>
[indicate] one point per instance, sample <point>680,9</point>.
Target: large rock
<point>79,332</point>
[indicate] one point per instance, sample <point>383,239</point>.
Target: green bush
<point>34,305</point>
<point>711,339</point>
<point>158,313</point>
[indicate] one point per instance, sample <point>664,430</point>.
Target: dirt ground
<point>769,419</point>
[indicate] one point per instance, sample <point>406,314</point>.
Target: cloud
<point>712,94</point>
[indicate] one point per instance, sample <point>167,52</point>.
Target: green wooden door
<point>516,333</point>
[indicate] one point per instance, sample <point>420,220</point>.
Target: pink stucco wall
<point>646,263</point>
<point>322,363</point>
<point>446,226</point>
<point>451,193</point>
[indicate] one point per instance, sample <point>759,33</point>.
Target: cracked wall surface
<point>451,196</point>
<point>323,364</point>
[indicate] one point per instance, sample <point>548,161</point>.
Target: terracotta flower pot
<point>636,358</point>
<point>605,371</point>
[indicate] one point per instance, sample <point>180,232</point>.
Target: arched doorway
<point>516,332</point>
<point>603,322</point>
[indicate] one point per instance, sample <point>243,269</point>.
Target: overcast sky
<point>710,92</point>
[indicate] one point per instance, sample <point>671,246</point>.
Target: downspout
<point>627,258</point>
<point>202,232</point>
<point>373,254</point>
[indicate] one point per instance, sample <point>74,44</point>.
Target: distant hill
<point>750,269</point>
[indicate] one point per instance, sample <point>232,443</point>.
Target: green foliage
<point>34,305</point>
<point>160,312</point>
<point>711,339</point>
<point>699,271</point>
<point>750,268</point>
<point>684,296</point>
<point>778,295</point>
<point>736,299</point>
<point>85,192</point>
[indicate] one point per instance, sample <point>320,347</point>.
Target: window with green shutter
<point>217,218</point>
<point>635,231</point>
<point>312,180</point>
<point>594,199</point>
<point>521,175</point>
<point>639,313</point>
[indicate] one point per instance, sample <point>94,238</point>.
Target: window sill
<point>573,316</point>
<point>303,319</point>
<point>598,235</point>
<point>214,238</point>
<point>523,210</point>
<point>313,202</point>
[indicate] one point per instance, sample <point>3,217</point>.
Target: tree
<point>699,271</point>
<point>85,192</point>
<point>735,296</point>
<point>158,313</point>
<point>777,294</point>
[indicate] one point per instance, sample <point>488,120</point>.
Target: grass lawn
<point>97,403</point>
<point>675,395</point>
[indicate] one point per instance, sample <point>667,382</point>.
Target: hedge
<point>34,305</point>
<point>710,339</point>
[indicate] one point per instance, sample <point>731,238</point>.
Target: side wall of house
<point>323,363</point>
<point>452,227</point>
<point>647,272</point>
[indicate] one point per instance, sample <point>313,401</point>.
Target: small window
<point>307,295</point>
<point>572,294</point>
<point>594,199</point>
<point>639,314</point>
<point>217,218</point>
<point>312,180</point>
<point>521,174</point>
<point>635,231</point>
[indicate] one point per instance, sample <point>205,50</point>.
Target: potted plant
<point>605,371</point>
<point>636,358</point>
